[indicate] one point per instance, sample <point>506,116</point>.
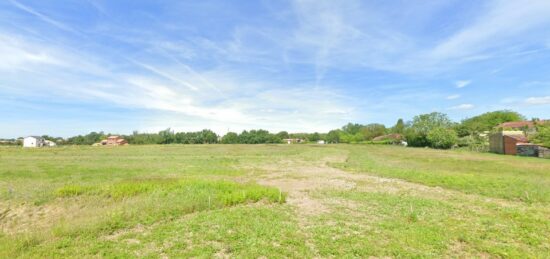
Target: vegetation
<point>422,125</point>
<point>486,122</point>
<point>230,201</point>
<point>434,130</point>
<point>442,138</point>
<point>542,135</point>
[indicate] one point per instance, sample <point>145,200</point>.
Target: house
<point>516,125</point>
<point>504,142</point>
<point>49,143</point>
<point>394,136</point>
<point>511,139</point>
<point>526,126</point>
<point>33,141</point>
<point>112,141</point>
<point>293,140</point>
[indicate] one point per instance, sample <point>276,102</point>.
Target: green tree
<point>314,137</point>
<point>542,137</point>
<point>373,130</point>
<point>230,138</point>
<point>417,133</point>
<point>283,135</point>
<point>207,136</point>
<point>352,128</point>
<point>333,136</point>
<point>442,138</point>
<point>486,122</point>
<point>399,127</point>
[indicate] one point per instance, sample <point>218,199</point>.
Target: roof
<point>113,137</point>
<point>389,136</point>
<point>520,124</point>
<point>36,137</point>
<point>516,124</point>
<point>518,138</point>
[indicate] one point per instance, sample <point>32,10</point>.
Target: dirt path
<point>301,179</point>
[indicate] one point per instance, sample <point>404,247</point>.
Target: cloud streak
<point>44,17</point>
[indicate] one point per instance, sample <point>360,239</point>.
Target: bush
<point>542,137</point>
<point>442,138</point>
<point>474,143</point>
<point>416,139</point>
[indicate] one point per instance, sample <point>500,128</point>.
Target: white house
<point>49,143</point>
<point>33,141</point>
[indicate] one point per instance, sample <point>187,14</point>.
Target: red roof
<point>521,139</point>
<point>517,124</point>
<point>393,136</point>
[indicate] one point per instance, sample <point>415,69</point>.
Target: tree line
<point>434,130</point>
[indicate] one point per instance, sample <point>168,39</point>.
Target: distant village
<point>512,137</point>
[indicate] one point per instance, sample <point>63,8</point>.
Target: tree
<point>333,136</point>
<point>542,137</point>
<point>442,138</point>
<point>373,130</point>
<point>417,133</point>
<point>283,135</point>
<point>399,127</point>
<point>230,138</point>
<point>486,122</point>
<point>207,136</point>
<point>352,128</point>
<point>258,137</point>
<point>314,137</point>
<point>166,136</point>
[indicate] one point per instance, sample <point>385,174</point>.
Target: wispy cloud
<point>465,106</point>
<point>500,22</point>
<point>297,65</point>
<point>44,17</point>
<point>462,83</point>
<point>538,100</point>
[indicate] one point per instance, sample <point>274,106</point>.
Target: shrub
<point>542,137</point>
<point>442,138</point>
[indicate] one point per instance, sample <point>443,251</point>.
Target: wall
<point>527,150</point>
<point>496,143</point>
<point>544,152</point>
<point>510,145</point>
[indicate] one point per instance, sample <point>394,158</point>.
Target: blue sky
<point>75,66</point>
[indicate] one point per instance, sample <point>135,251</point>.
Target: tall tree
<point>487,121</point>
<point>417,133</point>
<point>399,127</point>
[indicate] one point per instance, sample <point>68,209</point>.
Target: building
<point>321,142</point>
<point>504,142</point>
<point>49,143</point>
<point>394,137</point>
<point>112,141</point>
<point>33,141</point>
<point>293,140</point>
<point>526,126</point>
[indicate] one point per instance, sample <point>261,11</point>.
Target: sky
<point>70,67</point>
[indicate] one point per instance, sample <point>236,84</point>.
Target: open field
<point>271,200</point>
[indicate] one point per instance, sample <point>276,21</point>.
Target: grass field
<point>271,200</point>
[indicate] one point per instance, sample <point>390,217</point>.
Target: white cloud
<point>465,106</point>
<point>43,17</point>
<point>453,97</point>
<point>538,100</point>
<point>216,98</point>
<point>500,23</point>
<point>462,83</point>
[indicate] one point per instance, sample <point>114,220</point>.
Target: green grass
<point>508,177</point>
<point>214,200</point>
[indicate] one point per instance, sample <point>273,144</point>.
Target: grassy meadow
<point>271,200</point>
